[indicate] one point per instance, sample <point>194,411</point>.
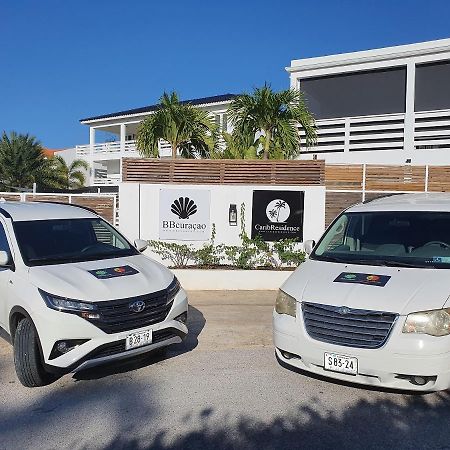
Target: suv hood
<point>408,290</point>
<point>73,280</point>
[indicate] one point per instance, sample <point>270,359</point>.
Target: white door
<point>5,276</point>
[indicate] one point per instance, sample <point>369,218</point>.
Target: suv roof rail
<point>381,196</point>
<point>72,204</point>
<point>86,208</point>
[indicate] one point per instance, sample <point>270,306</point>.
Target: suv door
<point>5,276</point>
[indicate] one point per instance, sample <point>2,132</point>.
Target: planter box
<point>229,280</point>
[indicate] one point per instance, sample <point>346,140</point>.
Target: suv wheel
<point>27,358</point>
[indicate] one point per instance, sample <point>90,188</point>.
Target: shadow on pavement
<point>196,323</point>
<point>417,422</point>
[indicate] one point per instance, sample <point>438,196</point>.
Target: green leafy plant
<point>287,253</point>
<point>188,129</point>
<point>252,253</point>
<point>209,254</point>
<point>180,255</point>
<point>270,119</point>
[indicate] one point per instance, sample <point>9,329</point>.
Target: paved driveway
<point>220,389</point>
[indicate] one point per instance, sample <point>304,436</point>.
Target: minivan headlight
<point>285,304</point>
<point>434,323</point>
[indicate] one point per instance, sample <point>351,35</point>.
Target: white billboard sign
<point>184,214</point>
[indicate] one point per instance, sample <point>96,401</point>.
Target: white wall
<point>139,209</point>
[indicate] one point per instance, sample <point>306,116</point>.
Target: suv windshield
<point>59,241</point>
<point>404,239</point>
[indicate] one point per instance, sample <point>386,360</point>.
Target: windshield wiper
<point>375,262</point>
<point>389,263</point>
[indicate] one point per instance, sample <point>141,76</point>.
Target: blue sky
<point>62,60</point>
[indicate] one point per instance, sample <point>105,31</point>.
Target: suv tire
<point>27,356</point>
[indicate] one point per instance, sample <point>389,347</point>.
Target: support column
<point>408,143</point>
<point>91,155</point>
<point>123,135</point>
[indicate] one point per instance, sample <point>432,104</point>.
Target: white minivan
<point>371,304</point>
<point>75,293</point>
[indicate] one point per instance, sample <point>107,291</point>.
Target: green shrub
<point>180,255</point>
<point>250,254</point>
<point>209,254</point>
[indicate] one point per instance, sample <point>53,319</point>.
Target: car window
<point>413,238</point>
<point>4,245</point>
<point>57,241</point>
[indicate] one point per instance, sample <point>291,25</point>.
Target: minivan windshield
<point>402,239</point>
<point>59,241</point>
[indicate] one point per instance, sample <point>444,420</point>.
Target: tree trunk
<point>174,151</point>
<point>267,135</point>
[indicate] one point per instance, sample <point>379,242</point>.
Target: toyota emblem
<point>137,306</point>
<point>343,310</point>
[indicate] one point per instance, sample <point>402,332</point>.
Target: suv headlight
<point>83,309</point>
<point>434,323</point>
<point>173,289</point>
<point>285,304</point>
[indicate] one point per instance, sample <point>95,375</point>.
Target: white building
<point>382,106</point>
<point>105,158</point>
<point>389,105</point>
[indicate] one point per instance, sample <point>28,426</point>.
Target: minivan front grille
<point>118,315</point>
<point>347,327</point>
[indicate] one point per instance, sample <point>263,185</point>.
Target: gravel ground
<point>221,389</point>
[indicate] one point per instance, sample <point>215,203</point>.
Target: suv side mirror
<point>308,246</point>
<point>140,244</point>
<point>5,260</point>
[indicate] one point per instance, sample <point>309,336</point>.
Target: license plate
<point>138,339</point>
<point>341,363</point>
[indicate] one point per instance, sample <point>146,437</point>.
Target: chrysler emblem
<point>343,310</point>
<point>137,306</point>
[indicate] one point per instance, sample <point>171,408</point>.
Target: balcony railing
<point>111,179</point>
<point>107,148</point>
<point>111,150</point>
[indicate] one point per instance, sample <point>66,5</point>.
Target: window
<point>356,94</point>
<point>4,246</point>
<point>432,86</point>
<point>398,238</point>
<point>60,241</point>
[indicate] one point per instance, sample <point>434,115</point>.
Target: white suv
<point>371,305</point>
<point>75,293</point>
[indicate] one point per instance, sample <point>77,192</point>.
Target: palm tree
<point>189,130</point>
<point>271,119</point>
<point>23,163</point>
<point>234,148</point>
<point>70,176</point>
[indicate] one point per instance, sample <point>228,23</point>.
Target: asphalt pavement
<point>222,388</point>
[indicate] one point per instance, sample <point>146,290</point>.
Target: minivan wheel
<point>27,358</point>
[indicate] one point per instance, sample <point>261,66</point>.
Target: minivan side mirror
<point>140,244</point>
<point>5,259</point>
<point>308,246</point>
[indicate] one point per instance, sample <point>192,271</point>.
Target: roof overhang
<point>368,56</point>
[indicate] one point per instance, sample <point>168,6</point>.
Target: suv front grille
<point>116,315</point>
<point>348,327</point>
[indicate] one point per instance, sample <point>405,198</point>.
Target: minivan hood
<point>408,290</point>
<point>74,281</point>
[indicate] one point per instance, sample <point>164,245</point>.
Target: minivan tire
<point>27,356</point>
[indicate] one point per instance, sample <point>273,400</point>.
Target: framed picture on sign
<point>278,215</point>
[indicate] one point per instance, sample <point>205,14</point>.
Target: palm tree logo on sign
<point>278,211</point>
<point>183,207</point>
